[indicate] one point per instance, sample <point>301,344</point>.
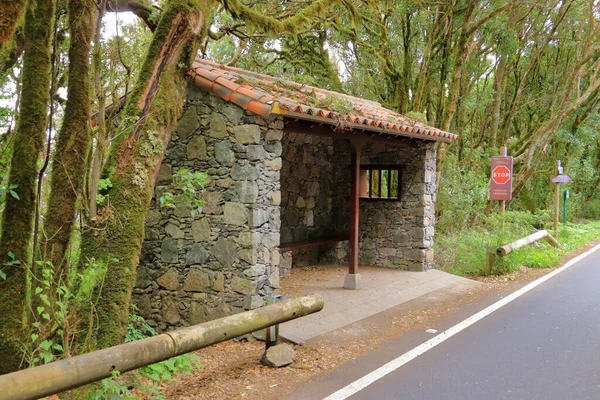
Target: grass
<point>463,253</point>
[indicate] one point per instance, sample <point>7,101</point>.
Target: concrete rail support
<point>73,372</point>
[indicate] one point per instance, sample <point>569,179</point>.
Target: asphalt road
<point>543,345</point>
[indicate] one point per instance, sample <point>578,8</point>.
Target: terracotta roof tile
<point>265,95</point>
<point>210,75</point>
<point>203,83</point>
<point>227,83</point>
<point>240,99</point>
<point>248,92</point>
<point>221,91</point>
<point>261,109</point>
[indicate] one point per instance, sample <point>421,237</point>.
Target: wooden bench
<point>313,242</point>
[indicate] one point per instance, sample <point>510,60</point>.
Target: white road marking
<point>393,365</point>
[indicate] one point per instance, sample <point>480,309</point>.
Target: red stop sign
<point>501,175</point>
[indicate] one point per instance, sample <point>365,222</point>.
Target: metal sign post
<point>558,179</point>
<point>272,332</point>
<point>565,198</point>
<point>501,179</point>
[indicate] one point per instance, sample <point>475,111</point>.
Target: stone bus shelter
<point>296,175</point>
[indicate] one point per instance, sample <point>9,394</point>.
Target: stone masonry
<point>315,186</point>
<point>314,192</point>
<point>399,234</point>
<point>225,259</point>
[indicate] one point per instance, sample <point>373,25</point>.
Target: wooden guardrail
<point>77,371</point>
<point>493,251</point>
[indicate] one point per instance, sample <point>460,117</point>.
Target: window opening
<point>380,182</point>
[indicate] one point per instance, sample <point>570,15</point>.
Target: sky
<point>111,20</point>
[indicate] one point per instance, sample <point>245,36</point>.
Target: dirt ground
<point>232,370</point>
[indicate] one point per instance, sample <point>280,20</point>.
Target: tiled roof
<point>265,96</point>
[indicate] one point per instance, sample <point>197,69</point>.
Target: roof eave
<point>358,127</point>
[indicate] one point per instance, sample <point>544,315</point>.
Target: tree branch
<point>141,8</point>
<point>272,26</point>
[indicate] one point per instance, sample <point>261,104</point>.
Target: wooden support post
<point>352,280</point>
<point>552,241</point>
<point>354,213</point>
<point>490,258</point>
<point>503,153</point>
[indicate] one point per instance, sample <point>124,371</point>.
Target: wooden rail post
<point>490,258</point>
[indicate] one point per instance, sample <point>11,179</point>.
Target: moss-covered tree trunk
<point>423,76</point>
<point>72,146</point>
<point>9,19</point>
<point>115,237</point>
<point>17,219</point>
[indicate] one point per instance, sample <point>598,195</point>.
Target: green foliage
<point>167,200</point>
<point>48,317</point>
<point>111,388</point>
<point>137,328</point>
<point>7,95</point>
<point>92,277</point>
<point>464,252</point>
<point>189,186</point>
<point>144,381</point>
<point>587,209</point>
<point>10,190</point>
<point>164,371</point>
<point>537,255</point>
<point>11,261</point>
<point>55,314</point>
<point>103,186</point>
<point>257,21</point>
<point>462,195</point>
<point>335,103</point>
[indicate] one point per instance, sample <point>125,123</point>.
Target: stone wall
<point>315,185</point>
<point>400,233</point>
<point>224,260</point>
<point>314,190</point>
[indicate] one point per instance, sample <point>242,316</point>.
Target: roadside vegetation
<point>463,252</point>
<point>143,382</point>
<point>467,222</point>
